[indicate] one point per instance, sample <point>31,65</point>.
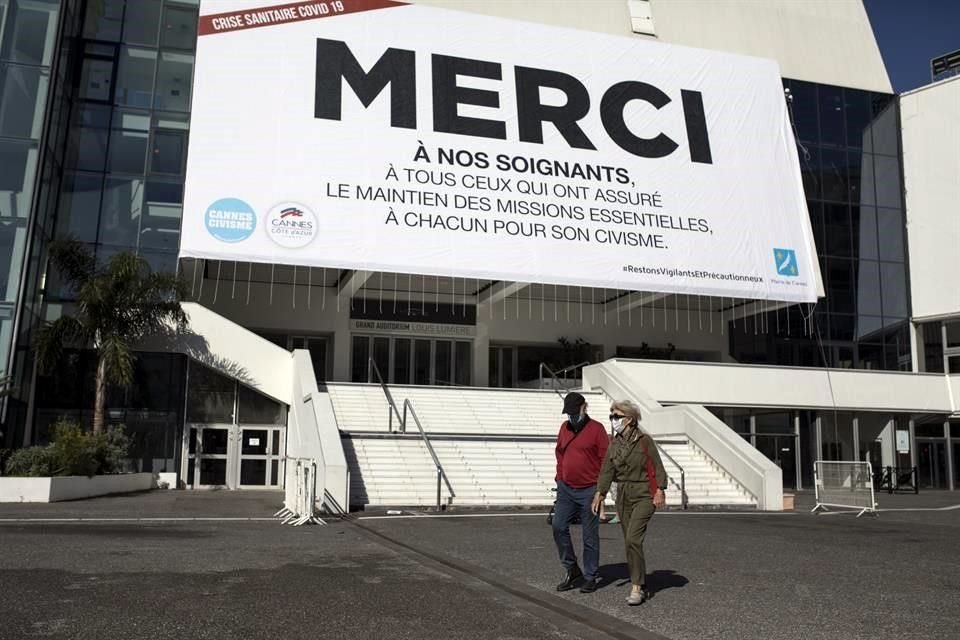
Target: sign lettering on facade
<point>376,135</point>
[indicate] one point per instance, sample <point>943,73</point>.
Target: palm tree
<point>119,303</point>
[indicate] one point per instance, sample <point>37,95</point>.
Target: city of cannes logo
<point>786,262</point>
<point>291,225</point>
<point>230,220</point>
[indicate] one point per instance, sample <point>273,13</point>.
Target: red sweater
<point>579,464</point>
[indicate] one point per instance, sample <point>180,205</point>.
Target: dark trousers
<point>570,502</point>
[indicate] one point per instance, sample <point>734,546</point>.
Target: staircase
<point>495,445</point>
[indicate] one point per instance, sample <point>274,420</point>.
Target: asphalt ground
<point>204,565</point>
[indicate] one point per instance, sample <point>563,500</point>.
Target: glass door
<point>261,457</point>
<point>932,463</point>
<point>781,449</point>
<point>209,453</point>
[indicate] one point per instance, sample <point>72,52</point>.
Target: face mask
<point>577,420</point>
<point>618,425</point>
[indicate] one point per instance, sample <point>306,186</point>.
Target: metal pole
<point>683,489</point>
<point>439,477</point>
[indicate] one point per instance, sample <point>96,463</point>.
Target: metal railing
<point>556,374</point>
<point>684,502</point>
<point>372,369</point>
<point>441,474</point>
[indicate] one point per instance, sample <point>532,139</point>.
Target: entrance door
<point>932,463</point>
<point>421,361</point>
<point>208,456</point>
<point>234,457</point>
<point>782,450</point>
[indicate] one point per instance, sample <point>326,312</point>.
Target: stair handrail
<point>372,368</point>
<point>556,374</point>
<point>441,474</point>
<point>683,475</point>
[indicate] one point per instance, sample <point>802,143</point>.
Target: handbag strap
<point>570,441</point>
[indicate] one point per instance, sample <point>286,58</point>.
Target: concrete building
<point>95,121</point>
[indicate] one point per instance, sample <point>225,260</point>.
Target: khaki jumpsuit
<point>632,463</point>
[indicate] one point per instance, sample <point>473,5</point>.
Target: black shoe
<point>573,577</point>
<point>589,586</point>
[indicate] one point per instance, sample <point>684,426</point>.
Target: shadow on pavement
<point>657,581</point>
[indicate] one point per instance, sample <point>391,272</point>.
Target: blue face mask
<point>577,420</point>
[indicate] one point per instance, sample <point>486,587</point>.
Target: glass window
<point>28,31</point>
<point>894,280</point>
<point>210,396</point>
<point>135,77</point>
<point>891,231</point>
<point>815,209</point>
<point>889,193</point>
<point>96,78</point>
<point>91,115</point>
<point>87,149</point>
<point>869,327</point>
<point>128,151</point>
<point>122,210</point>
<point>857,112</point>
<point>142,23</point>
<point>18,166</point>
<point>842,326</point>
<point>160,262</point>
<point>810,171</point>
<point>179,28</point>
<point>79,209</point>
<point>256,408</point>
<point>444,353</point>
<point>360,357</point>
<point>868,194</point>
<point>13,236</point>
<point>104,20</point>
<point>174,79</point>
<point>774,422</point>
<point>837,219</point>
<point>953,364</point>
<point>421,362</point>
<point>463,371</point>
<point>953,333</point>
<point>24,92</point>
<point>885,132</point>
<point>831,116</point>
<point>836,435</point>
<point>401,360</point>
<point>804,108</point>
<point>864,232</point>
<point>868,287</point>
<point>168,152</point>
<point>834,175</point>
<point>161,222</point>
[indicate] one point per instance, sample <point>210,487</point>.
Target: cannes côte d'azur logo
<point>291,225</point>
<point>230,220</point>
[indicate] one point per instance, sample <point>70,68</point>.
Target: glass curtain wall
<point>849,148</point>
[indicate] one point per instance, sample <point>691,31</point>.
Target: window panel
<point>804,109</point>
<point>837,219</point>
<point>18,167</point>
<point>857,115</point>
<point>13,238</point>
<point>833,172</point>
<point>810,172</point>
<point>128,151</point>
<point>891,231</point>
<point>106,22</point>
<point>28,31</point>
<point>174,79</point>
<point>864,232</point>
<point>122,210</point>
<point>868,186</point>
<point>889,193</point>
<point>179,28</point>
<point>87,149</point>
<point>135,77</point>
<point>79,208</point>
<point>24,93</point>
<point>96,79</point>
<point>885,133</point>
<point>141,25</point>
<point>893,277</point>
<point>832,130</point>
<point>868,288</point>
<point>168,152</point>
<point>164,209</point>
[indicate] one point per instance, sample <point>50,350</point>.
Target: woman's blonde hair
<point>631,411</point>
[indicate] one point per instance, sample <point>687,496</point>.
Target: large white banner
<point>375,135</point>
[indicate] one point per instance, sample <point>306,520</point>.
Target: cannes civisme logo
<point>230,220</point>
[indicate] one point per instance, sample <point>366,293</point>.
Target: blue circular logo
<point>230,220</point>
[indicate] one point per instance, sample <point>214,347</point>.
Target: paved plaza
<point>213,565</point>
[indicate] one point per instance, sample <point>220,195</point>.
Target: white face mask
<point>618,424</point>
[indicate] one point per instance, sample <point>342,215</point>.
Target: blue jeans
<point>571,501</point>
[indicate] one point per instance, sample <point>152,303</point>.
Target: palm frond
<point>53,337</point>
<point>73,260</point>
<point>118,356</point>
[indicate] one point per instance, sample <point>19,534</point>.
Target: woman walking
<point>634,463</point>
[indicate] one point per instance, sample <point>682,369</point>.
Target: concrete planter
<point>72,487</point>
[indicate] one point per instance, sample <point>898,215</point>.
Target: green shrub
<point>73,452</point>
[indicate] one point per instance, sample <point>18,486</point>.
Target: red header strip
<point>284,13</point>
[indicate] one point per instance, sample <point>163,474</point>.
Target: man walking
<point>581,446</point>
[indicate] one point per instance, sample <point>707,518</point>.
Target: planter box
<point>788,502</point>
<point>72,487</point>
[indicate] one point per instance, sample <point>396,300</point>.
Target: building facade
<point>95,124</point>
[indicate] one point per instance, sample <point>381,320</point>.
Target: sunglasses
<point>616,416</point>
